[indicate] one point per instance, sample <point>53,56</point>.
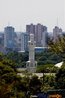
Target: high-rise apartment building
<point>30,29</point>
<point>44,40</point>
<point>9,38</point>
<point>39,32</point>
<point>22,41</point>
<point>57,32</point>
<point>1,39</point>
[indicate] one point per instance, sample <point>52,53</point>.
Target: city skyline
<point>19,13</point>
<point>11,39</point>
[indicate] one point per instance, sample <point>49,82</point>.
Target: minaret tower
<point>31,64</point>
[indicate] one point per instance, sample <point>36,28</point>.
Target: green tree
<point>48,68</point>
<point>10,82</point>
<point>19,58</point>
<point>34,85</point>
<point>59,48</point>
<point>60,78</point>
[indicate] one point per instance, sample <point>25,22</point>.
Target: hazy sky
<point>18,13</point>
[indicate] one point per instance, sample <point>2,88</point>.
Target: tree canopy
<point>10,82</point>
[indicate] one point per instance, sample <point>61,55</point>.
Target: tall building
<point>9,38</point>
<point>2,42</point>
<point>57,32</point>
<point>39,31</point>
<point>38,34</point>
<point>30,29</point>
<point>18,41</point>
<point>41,35</point>
<point>44,37</point>
<point>1,39</point>
<point>24,41</point>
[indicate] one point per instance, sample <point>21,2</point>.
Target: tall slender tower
<point>31,64</point>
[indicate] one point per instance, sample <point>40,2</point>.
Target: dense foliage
<point>10,82</point>
<point>59,48</point>
<point>48,68</point>
<point>48,57</point>
<point>19,58</point>
<point>60,78</point>
<point>44,58</point>
<point>14,86</point>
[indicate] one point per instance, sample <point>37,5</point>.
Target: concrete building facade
<point>57,32</point>
<point>9,37</point>
<point>24,41</point>
<point>40,33</point>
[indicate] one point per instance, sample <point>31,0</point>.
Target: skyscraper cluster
<point>18,41</point>
<point>40,34</point>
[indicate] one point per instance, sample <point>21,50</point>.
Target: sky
<point>18,13</point>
